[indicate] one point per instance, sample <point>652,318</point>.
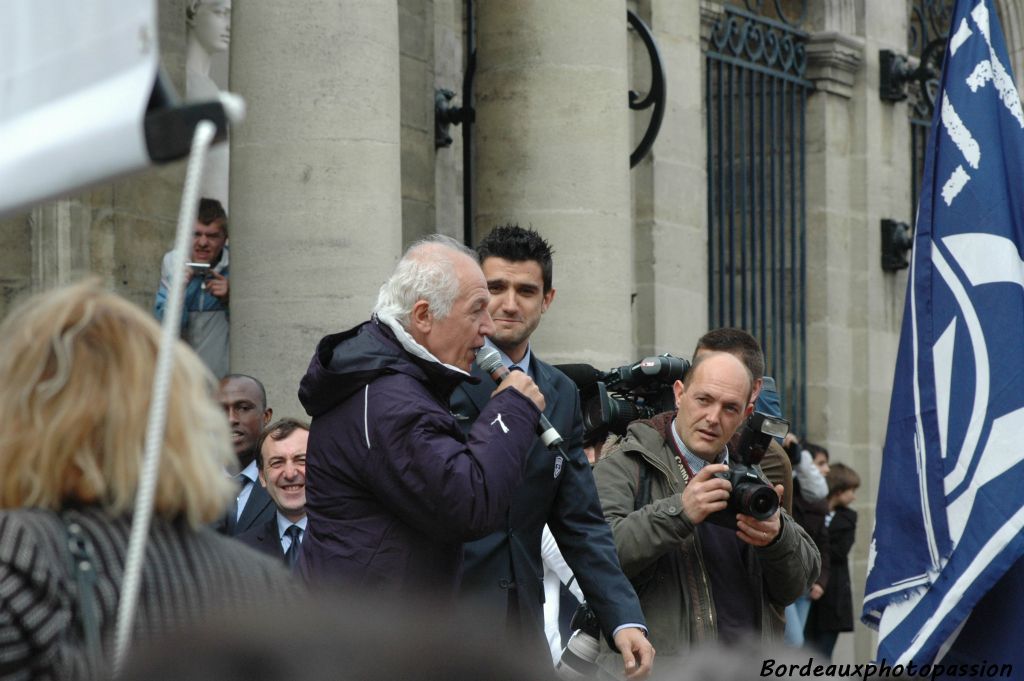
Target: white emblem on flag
<point>962,34</point>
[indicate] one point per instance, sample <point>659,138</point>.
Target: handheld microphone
<point>489,360</point>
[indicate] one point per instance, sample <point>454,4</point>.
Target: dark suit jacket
<point>264,538</point>
<point>811,516</point>
<point>834,610</point>
<point>504,570</point>
<point>259,509</point>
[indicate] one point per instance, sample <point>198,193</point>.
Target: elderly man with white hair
<point>393,487</point>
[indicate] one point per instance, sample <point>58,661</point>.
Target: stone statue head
<point>209,24</point>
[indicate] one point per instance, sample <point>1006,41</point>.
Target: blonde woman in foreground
<point>76,372</point>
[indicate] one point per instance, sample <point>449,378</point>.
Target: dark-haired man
<point>281,461</point>
<point>504,570</point>
<point>244,400</point>
<point>204,314</point>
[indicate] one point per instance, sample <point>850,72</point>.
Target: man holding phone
<point>204,316</point>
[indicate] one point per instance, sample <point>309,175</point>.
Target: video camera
<point>612,400</point>
<point>751,495</point>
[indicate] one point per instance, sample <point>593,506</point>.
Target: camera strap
<point>684,467</point>
<point>643,498</point>
<point>643,482</point>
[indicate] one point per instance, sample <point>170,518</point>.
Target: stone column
<point>838,267</point>
<point>671,232</point>
<point>15,262</point>
<point>858,172</point>
<point>316,221</point>
<point>60,243</point>
<point>416,36</point>
<point>552,151</point>
<point>449,65</point>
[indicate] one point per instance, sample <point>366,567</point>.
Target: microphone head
<point>488,359</point>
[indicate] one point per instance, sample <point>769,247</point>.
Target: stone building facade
<point>335,170</point>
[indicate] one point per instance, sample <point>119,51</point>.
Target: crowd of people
<point>419,478</point>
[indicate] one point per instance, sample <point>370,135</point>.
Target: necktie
<point>234,510</point>
<point>292,555</point>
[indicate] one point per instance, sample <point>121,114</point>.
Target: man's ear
<point>677,389</point>
<point>749,410</point>
<point>262,478</point>
<point>758,384</point>
<point>548,297</point>
<point>420,317</point>
<point>267,415</point>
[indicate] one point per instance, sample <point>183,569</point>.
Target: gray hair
<point>425,272</point>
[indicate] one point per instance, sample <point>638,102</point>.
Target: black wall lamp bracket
<point>446,115</point>
<point>895,72</point>
<point>897,240</point>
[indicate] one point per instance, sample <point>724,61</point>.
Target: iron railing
<point>928,33</point>
<point>756,91</point>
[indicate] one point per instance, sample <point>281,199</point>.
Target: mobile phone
<point>202,269</point>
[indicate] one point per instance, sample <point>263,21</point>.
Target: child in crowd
<point>833,612</point>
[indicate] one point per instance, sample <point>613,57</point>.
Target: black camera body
<point>751,494</point>
<point>630,392</point>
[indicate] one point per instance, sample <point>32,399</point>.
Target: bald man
<point>697,580</point>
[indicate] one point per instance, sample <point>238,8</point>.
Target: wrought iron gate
<point>756,92</point>
<point>928,32</point>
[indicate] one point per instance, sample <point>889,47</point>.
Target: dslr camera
<point>751,494</point>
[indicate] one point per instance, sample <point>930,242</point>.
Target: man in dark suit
<point>245,403</point>
<point>504,571</point>
<point>281,460</point>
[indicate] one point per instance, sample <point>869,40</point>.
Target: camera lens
<point>581,651</point>
<point>592,417</point>
<point>758,500</point>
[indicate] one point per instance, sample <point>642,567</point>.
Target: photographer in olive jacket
<point>699,581</point>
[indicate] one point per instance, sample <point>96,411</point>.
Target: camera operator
<point>699,581</point>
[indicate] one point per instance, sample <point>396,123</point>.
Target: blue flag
<point>950,508</point>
